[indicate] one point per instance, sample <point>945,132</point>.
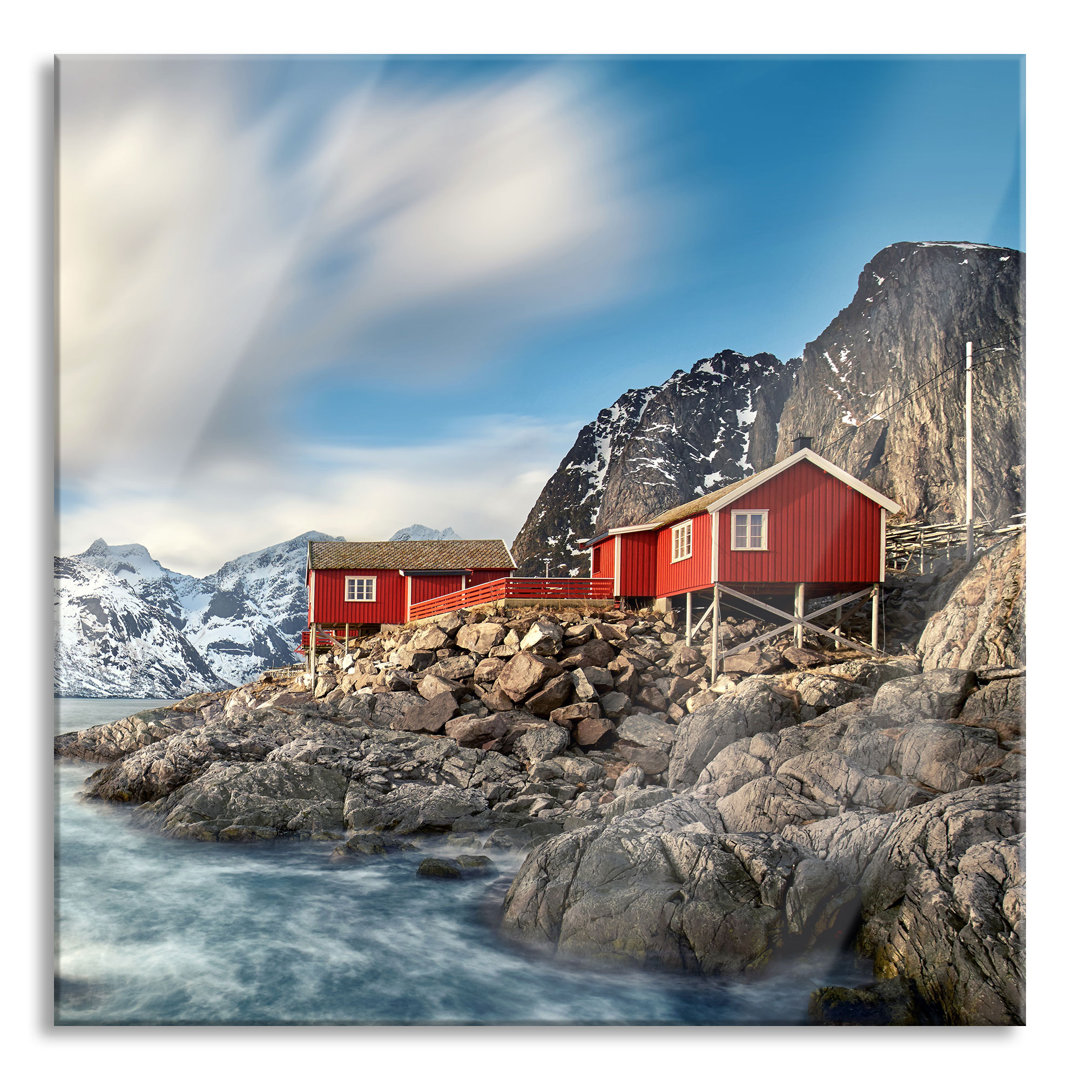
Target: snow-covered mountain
<point>654,448</point>
<point>116,603</point>
<point>422,532</point>
<point>129,627</point>
<point>110,642</point>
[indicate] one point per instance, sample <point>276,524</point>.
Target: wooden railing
<point>514,588</point>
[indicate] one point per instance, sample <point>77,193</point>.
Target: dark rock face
<point>654,448</point>
<point>915,307</point>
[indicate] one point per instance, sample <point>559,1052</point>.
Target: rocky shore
<point>802,800</point>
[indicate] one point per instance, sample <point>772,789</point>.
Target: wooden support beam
<point>715,609</point>
<point>800,604</point>
<point>789,621</point>
<point>689,615</point>
<point>874,601</point>
<point>701,621</point>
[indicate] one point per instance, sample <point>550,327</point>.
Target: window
<point>360,588</point>
<point>750,530</point>
<point>681,541</point>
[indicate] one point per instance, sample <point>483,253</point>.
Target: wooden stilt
<point>800,605</point>
<point>875,594</point>
<point>689,615</point>
<point>836,628</point>
<point>715,631</point>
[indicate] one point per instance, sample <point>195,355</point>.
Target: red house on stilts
<point>800,530</point>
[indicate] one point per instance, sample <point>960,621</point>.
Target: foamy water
<point>152,930</point>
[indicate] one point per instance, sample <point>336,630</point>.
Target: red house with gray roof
<point>363,586</point>
<point>803,528</point>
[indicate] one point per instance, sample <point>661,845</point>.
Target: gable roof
<point>409,555</point>
<point>735,491</point>
<point>717,500</point>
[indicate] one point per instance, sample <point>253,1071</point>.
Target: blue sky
<point>351,294</point>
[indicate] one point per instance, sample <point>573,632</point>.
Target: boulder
<point>943,903</point>
<point>650,760</point>
<point>456,668</point>
<point>659,887</point>
<point>410,808</point>
<point>429,638</point>
<point>552,695</point>
<point>431,716</point>
<point>804,658</point>
<point>524,674</point>
<point>614,704</point>
<point>753,661</point>
<point>593,653</point>
<point>933,695</point>
<point>646,731</point>
<point>541,743</point>
<point>476,731</point>
<point>431,686</point>
<point>256,801</point>
<point>480,637</point>
<point>391,708</point>
<point>495,700</point>
<point>487,671</point>
<point>982,623</point>
<point>544,638</point>
<point>755,706</point>
<point>568,715</point>
<point>592,732</point>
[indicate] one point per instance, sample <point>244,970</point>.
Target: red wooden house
<point>359,587</point>
<point>803,528</point>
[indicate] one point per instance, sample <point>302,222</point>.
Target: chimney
<point>802,442</point>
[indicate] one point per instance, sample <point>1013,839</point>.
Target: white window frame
<point>682,541</point>
<point>746,514</point>
<point>350,587</point>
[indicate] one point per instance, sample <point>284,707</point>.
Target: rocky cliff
<point>654,448</point>
<point>880,392</point>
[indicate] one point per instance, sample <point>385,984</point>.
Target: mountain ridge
<point>879,392</point>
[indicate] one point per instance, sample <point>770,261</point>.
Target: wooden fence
<point>918,547</point>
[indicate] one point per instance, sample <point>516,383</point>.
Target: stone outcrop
<point>981,623</point>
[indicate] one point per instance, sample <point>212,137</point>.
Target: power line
<point>880,413</point>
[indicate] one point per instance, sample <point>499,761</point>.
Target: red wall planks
<point>686,575</point>
<point>330,605</point>
<point>820,530</point>
<point>603,564</point>
<point>638,564</point>
<point>391,591</point>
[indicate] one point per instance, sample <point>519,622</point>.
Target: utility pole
<point>969,455</point>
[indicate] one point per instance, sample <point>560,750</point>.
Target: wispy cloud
<point>482,481</point>
<point>214,257</point>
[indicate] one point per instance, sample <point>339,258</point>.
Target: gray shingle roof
<point>409,555</point>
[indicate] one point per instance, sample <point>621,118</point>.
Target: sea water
<point>155,930</point>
